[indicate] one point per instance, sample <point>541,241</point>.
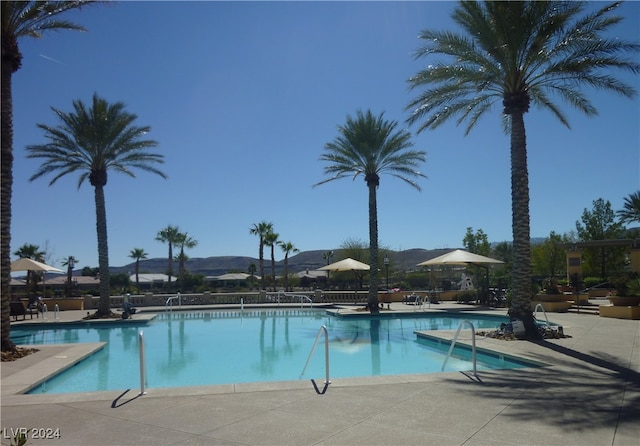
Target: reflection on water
<point>199,348</point>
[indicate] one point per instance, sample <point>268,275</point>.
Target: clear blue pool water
<point>223,347</point>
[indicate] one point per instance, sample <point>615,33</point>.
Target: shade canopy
<point>26,264</point>
<point>347,264</point>
<point>235,276</point>
<point>460,257</point>
<point>151,278</point>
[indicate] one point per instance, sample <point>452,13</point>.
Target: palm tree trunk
<point>286,272</point>
<point>6,183</point>
<point>521,273</point>
<point>104,305</point>
<point>372,301</point>
<point>273,268</point>
<point>261,262</point>
<point>181,269</point>
<point>170,265</point>
<point>138,275</point>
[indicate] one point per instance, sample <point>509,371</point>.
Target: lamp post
<point>386,266</point>
<point>71,263</point>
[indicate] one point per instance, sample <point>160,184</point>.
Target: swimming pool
<point>224,347</point>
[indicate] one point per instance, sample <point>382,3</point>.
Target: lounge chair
<point>18,309</point>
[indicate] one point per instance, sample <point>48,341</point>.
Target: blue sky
<point>243,96</point>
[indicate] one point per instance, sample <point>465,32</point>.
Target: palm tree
<point>261,230</point>
<point>28,251</point>
<point>630,212</point>
<point>288,248</point>
<point>92,141</point>
<point>19,19</point>
<point>171,236</point>
<point>138,254</point>
<point>271,240</point>
<point>370,146</point>
<point>328,255</point>
<point>185,241</point>
<point>70,263</point>
<point>518,53</point>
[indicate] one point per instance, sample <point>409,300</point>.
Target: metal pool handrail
<point>322,330</point>
<point>170,301</point>
<point>142,362</point>
<point>473,345</point>
<point>302,297</point>
<point>535,312</point>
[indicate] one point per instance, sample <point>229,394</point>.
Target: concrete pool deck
<point>588,395</point>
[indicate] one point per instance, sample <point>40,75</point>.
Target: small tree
<point>171,236</point>
<point>261,230</point>
<point>288,248</point>
<point>600,224</point>
<point>70,263</point>
<point>138,254</point>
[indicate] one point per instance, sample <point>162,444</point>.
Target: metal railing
<point>142,362</point>
<point>170,300</point>
<point>323,330</point>
<point>282,296</point>
<point>535,312</point>
<point>473,345</point>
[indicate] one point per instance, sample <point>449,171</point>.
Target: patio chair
<point>18,309</point>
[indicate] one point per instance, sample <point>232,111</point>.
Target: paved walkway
<point>588,395</point>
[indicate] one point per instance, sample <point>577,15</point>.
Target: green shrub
<point>592,281</point>
<point>628,285</point>
<point>466,297</point>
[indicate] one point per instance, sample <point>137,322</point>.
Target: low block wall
<point>64,304</point>
<point>620,312</point>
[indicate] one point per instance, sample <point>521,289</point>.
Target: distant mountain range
<point>306,260</point>
<point>405,260</point>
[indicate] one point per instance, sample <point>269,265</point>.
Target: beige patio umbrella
<point>26,264</point>
<point>460,257</point>
<point>347,264</point>
<point>464,258</point>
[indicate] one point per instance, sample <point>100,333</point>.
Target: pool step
<point>585,309</point>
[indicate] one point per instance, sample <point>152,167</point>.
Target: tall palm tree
<point>328,255</point>
<point>516,54</point>
<point>33,252</point>
<point>70,263</point>
<point>287,248</point>
<point>271,240</point>
<point>138,254</point>
<point>92,141</point>
<point>630,212</point>
<point>261,230</point>
<point>171,236</point>
<point>371,146</point>
<point>184,241</point>
<point>18,19</point>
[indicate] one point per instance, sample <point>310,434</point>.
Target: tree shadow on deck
<point>579,393</point>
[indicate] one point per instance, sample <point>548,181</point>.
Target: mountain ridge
<point>405,260</point>
<point>302,261</point>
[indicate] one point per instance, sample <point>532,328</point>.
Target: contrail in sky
<point>51,59</point>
